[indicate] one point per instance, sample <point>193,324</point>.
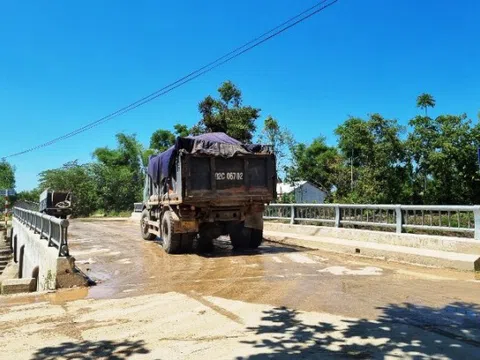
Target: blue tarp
<point>218,144</point>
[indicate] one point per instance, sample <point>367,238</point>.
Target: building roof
<point>284,188</point>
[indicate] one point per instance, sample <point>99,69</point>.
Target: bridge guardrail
<point>25,204</point>
<point>54,230</point>
<point>399,218</point>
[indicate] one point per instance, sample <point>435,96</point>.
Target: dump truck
<point>207,186</point>
<point>56,203</point>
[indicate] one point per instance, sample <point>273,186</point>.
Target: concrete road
<point>277,302</point>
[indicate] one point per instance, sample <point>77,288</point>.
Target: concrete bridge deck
<point>280,301</point>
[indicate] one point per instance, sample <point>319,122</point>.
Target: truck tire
<point>239,236</point>
<point>205,244</point>
<point>256,238</point>
<point>187,243</point>
<point>245,238</point>
<point>146,235</point>
<point>172,243</point>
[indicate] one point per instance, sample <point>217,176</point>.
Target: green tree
<point>161,140</point>
<point>443,151</point>
<point>227,114</point>
<point>29,195</point>
<point>317,163</point>
<point>280,139</point>
<point>424,101</point>
<point>181,130</point>
<point>146,156</point>
<point>119,173</point>
<point>7,179</point>
<point>375,155</point>
<point>355,141</point>
<point>7,175</point>
<point>115,190</point>
<point>75,178</point>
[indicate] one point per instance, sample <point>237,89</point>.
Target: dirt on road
<point>279,301</point>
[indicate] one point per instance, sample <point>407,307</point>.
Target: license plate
<point>235,176</point>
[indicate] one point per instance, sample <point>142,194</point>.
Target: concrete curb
<point>17,286</point>
<point>424,257</point>
<point>432,242</point>
<point>135,216</point>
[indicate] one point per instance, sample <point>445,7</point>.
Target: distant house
<point>304,192</point>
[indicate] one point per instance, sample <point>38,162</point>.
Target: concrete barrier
<point>135,216</point>
<point>17,286</point>
<point>39,261</point>
<point>431,242</point>
<point>437,251</point>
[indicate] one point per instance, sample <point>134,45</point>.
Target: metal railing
<point>399,218</point>
<point>448,219</point>
<point>137,207</point>
<point>25,204</point>
<point>50,228</point>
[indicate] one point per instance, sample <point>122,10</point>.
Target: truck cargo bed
<point>241,178</point>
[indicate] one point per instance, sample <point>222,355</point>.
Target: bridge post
<point>476,216</point>
<point>399,219</point>
<point>292,214</point>
<point>338,216</point>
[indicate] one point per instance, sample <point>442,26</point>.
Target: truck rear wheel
<point>239,236</point>
<point>187,242</point>
<point>172,243</point>
<point>205,245</point>
<point>144,226</point>
<point>256,238</point>
<point>246,238</point>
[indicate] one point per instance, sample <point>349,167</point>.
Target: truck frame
<point>207,194</point>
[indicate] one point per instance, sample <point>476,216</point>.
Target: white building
<point>305,192</point>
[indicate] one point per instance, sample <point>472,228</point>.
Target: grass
<point>102,214</point>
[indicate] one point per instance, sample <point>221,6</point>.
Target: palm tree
<point>425,101</point>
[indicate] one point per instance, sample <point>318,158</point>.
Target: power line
<point>304,15</point>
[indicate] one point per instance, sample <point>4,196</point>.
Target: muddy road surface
<point>276,302</point>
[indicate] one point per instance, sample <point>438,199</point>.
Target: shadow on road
<point>223,248</point>
<point>92,350</point>
<point>402,331</point>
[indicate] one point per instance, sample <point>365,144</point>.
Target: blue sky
<point>64,64</point>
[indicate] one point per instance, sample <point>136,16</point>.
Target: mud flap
<point>254,220</point>
<point>183,226</point>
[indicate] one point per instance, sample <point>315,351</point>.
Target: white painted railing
<point>448,219</point>
<point>54,230</point>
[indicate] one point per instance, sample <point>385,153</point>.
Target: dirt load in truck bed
<point>214,144</point>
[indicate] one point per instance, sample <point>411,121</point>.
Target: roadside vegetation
<point>376,160</point>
